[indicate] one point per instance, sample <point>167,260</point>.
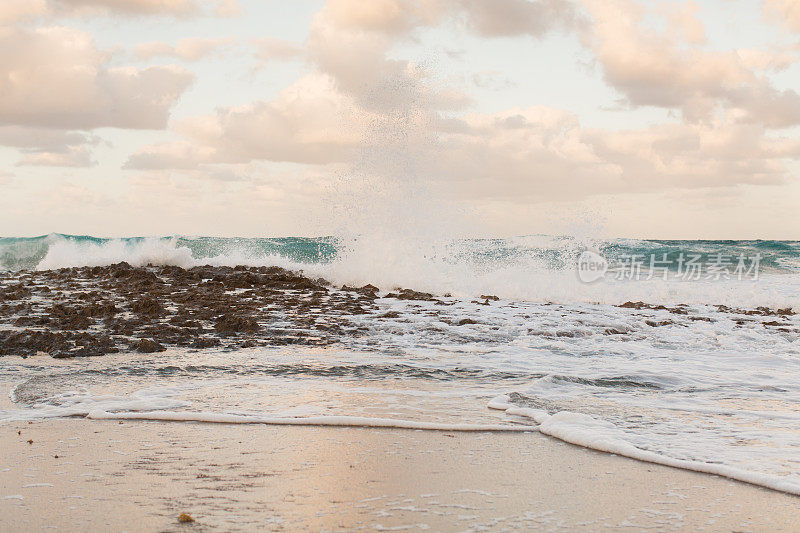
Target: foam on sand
<point>340,421</point>
<point>589,432</point>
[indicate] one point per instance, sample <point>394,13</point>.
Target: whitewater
<point>698,374</point>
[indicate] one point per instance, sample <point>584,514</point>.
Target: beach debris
<point>184,518</point>
<point>30,441</point>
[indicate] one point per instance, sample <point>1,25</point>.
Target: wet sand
<point>139,476</point>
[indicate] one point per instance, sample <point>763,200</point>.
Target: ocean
<point>684,353</point>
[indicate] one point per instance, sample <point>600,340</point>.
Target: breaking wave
<point>535,268</point>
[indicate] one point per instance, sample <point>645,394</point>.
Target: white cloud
<point>545,153</point>
<point>188,49</point>
<point>71,156</point>
<point>145,7</point>
<point>13,10</point>
<point>50,147</point>
<point>228,8</point>
<point>271,49</point>
<point>788,11</point>
<point>309,123</point>
<point>350,41</point>
<point>89,93</point>
<point>656,69</point>
<point>19,10</point>
<point>44,139</point>
<point>501,18</point>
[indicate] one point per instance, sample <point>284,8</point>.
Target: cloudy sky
<point>659,119</point>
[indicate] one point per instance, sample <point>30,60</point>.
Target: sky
<point>619,118</point>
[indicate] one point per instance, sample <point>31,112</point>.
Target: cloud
<point>50,147</point>
<point>544,153</point>
<point>308,123</point>
<point>17,10</point>
<point>178,155</point>
<point>350,41</point>
<point>787,11</point>
<point>271,49</point>
<point>136,7</point>
<point>503,18</point>
<point>13,10</point>
<point>394,113</point>
<point>90,93</point>
<point>777,59</point>
<point>228,8</point>
<point>72,156</point>
<point>655,69</point>
<point>324,116</point>
<point>189,49</point>
<point>43,139</point>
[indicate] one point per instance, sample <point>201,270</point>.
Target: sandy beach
<point>80,475</point>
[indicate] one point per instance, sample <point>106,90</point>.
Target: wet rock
<point>205,342</point>
<point>677,310</point>
<point>230,323</point>
<point>30,342</point>
<point>408,294</point>
<point>633,305</point>
<point>147,306</point>
<point>83,308</point>
<point>370,291</point>
<point>88,345</point>
<point>658,323</point>
<point>148,346</point>
<point>758,311</point>
<point>14,292</point>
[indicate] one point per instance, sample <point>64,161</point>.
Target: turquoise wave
<point>28,253</point>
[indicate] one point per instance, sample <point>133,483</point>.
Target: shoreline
<point>139,476</point>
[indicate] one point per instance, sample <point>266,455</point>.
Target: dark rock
<point>658,323</point>
<point>229,323</point>
<point>148,346</point>
<point>205,342</point>
<point>147,306</point>
<point>408,294</point>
